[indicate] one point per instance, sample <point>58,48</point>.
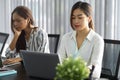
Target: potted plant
<point>72,69</point>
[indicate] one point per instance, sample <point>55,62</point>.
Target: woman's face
<point>79,20</point>
<point>19,23</point>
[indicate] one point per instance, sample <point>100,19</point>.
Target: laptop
<point>40,65</point>
<point>3,39</point>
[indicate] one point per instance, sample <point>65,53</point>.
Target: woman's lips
<point>77,26</point>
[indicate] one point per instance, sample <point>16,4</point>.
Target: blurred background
<point>54,15</point>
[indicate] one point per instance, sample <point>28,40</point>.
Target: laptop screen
<point>39,64</point>
<point>1,62</point>
<point>3,39</point>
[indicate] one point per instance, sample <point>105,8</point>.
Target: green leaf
<point>72,69</point>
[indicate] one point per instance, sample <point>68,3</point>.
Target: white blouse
<point>38,42</point>
<point>91,49</point>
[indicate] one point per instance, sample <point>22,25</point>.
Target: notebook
<point>41,65</point>
<point>4,71</point>
<point>7,72</point>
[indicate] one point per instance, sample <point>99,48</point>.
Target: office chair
<point>110,69</point>
<point>53,42</point>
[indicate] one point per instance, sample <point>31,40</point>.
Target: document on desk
<point>5,72</point>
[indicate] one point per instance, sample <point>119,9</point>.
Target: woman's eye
<point>80,17</point>
<point>73,17</point>
<point>18,20</point>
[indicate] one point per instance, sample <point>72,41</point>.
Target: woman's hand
<point>11,61</point>
<point>15,38</point>
<point>17,32</point>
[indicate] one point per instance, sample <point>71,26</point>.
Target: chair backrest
<point>118,65</point>
<point>111,59</point>
<point>53,42</point>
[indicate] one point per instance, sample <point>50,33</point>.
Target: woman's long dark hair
<point>86,8</point>
<point>21,43</point>
<point>25,13</point>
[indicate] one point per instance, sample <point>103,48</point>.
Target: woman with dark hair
<point>26,35</point>
<point>83,41</point>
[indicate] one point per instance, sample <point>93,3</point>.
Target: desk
<point>21,74</point>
